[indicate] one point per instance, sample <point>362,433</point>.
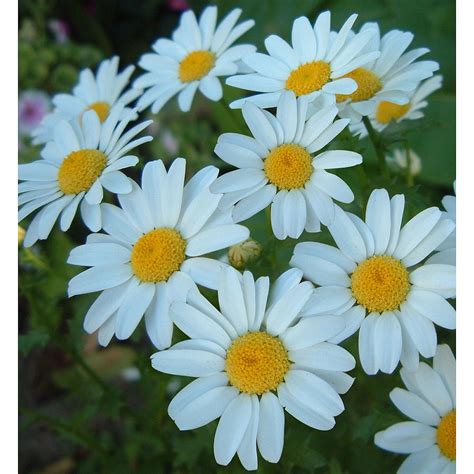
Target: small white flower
<point>252,359</point>
<point>99,92</point>
<point>74,168</point>
<point>152,252</point>
<point>402,159</point>
<point>197,55</point>
<point>315,64</point>
<point>430,401</point>
<point>369,281</point>
<point>391,78</point>
<point>447,250</point>
<point>279,166</point>
<point>385,111</point>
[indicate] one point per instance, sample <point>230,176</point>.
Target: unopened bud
<point>247,251</point>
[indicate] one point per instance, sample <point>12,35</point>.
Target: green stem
<point>378,147</point>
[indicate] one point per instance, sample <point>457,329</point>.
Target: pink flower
<point>32,107</point>
<point>60,30</point>
<point>178,5</point>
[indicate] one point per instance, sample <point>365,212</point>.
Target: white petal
<point>378,218</point>
<point>231,428</point>
<point>388,342</point>
<point>415,230</point>
<point>187,362</point>
<point>414,407</point>
<point>310,331</point>
<point>216,238</point>
<point>271,427</point>
<point>259,125</point>
<point>159,326</point>
<point>286,309</point>
<point>205,408</point>
<point>406,437</point>
<point>323,356</point>
<point>99,278</point>
<point>133,307</point>
<point>294,213</point>
<point>433,307</point>
<point>421,330</point>
<point>445,364</point>
<point>367,344</point>
<point>231,300</point>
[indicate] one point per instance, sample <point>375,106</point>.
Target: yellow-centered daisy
<point>386,84</point>
<point>386,112</point>
<point>152,252</point>
<point>430,401</point>
<point>198,54</point>
<point>318,63</point>
<point>280,166</point>
<point>98,92</point>
<point>369,280</point>
<point>254,358</point>
<point>76,165</point>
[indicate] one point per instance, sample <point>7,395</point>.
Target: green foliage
<point>76,397</point>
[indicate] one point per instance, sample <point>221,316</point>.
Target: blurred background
<point>85,409</point>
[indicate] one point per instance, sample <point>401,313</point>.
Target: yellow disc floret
<point>308,77</point>
<point>256,363</point>
<point>158,254</point>
<point>368,84</point>
<point>388,111</point>
<point>79,170</point>
<point>196,65</point>
<point>380,283</point>
<point>446,435</point>
<point>101,109</point>
<point>288,166</point>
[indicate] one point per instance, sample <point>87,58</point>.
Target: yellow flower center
<point>368,84</point>
<point>380,283</point>
<point>256,363</point>
<point>101,109</point>
<point>308,77</point>
<point>288,166</point>
<point>196,65</point>
<point>79,170</point>
<point>158,254</point>
<point>388,111</point>
<point>446,435</point>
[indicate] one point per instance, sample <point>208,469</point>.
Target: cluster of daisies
<point>269,347</point>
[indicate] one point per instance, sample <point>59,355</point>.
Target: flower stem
<point>378,147</point>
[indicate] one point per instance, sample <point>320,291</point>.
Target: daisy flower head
<point>386,112</point>
<point>253,358</point>
<point>369,280</point>
<point>446,251</point>
<point>385,84</point>
<point>99,92</point>
<point>73,170</point>
<point>315,64</point>
<point>280,166</point>
<point>430,401</point>
<point>198,54</point>
<point>152,252</point>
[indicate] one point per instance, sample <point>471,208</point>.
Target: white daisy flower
<point>252,359</point>
<point>388,79</point>
<point>385,111</point>
<point>369,280</point>
<point>279,166</point>
<point>430,401</point>
<point>77,164</point>
<point>99,92</point>
<point>315,64</point>
<point>446,251</point>
<point>197,55</point>
<point>152,252</point>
